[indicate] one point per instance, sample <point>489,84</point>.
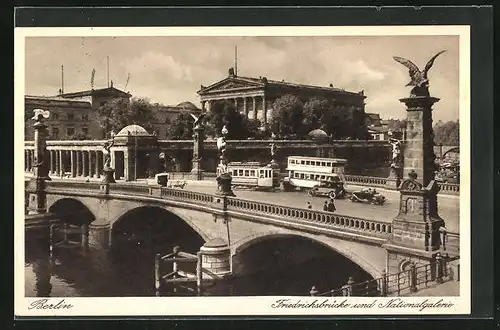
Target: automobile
<point>367,195</point>
<point>328,189</point>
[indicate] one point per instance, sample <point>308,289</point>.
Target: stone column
<point>51,161</point>
<point>415,233</point>
<point>78,163</point>
<point>85,164</point>
<point>254,104</point>
<point>58,162</point>
<point>73,163</point>
<point>245,108</point>
<point>91,167</point>
<point>236,104</point>
<point>153,163</point>
<point>264,108</point>
<point>199,136</point>
<point>37,197</point>
<point>98,164</point>
<point>203,106</point>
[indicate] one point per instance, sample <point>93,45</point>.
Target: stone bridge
<point>241,223</point>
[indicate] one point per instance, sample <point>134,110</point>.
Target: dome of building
<point>133,130</point>
<point>187,105</point>
<point>318,133</point>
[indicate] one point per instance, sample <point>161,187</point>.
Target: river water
<point>128,270</point>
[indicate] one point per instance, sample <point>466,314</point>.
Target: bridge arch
<point>73,211</point>
<point>160,224</point>
<point>452,150</point>
<point>338,247</point>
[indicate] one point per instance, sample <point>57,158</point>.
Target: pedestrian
<point>309,206</point>
<point>331,206</point>
<point>325,207</point>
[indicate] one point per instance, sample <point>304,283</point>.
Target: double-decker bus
<point>254,175</point>
<point>308,172</point>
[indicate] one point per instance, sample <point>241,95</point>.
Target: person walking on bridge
<point>331,206</point>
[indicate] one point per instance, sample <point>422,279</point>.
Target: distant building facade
<point>71,113</point>
<point>254,97</point>
<point>166,113</point>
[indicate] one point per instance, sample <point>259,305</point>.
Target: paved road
<point>448,205</point>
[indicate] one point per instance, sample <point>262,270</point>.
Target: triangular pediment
<point>229,84</point>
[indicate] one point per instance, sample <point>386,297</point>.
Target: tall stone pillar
<point>37,199</point>
<point>58,162</point>
<point>199,137</point>
<point>415,233</point>
<point>264,108</point>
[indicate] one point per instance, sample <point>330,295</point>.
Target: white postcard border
<point>186,306</point>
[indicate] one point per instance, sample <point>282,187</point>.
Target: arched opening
<point>290,265</point>
<point>154,230</point>
<point>72,211</point>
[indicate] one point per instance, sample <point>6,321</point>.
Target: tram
<point>254,175</point>
<point>306,173</point>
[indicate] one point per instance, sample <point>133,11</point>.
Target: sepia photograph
<point>281,167</point>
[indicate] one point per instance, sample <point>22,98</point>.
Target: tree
<point>118,113</point>
<point>238,126</point>
<point>447,134</point>
<point>288,116</point>
<point>180,127</point>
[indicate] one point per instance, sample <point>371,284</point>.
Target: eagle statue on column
<point>39,114</point>
<point>419,79</point>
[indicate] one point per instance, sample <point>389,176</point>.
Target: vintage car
<point>328,189</point>
<point>367,195</point>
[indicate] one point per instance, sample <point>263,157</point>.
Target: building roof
<point>36,98</point>
<point>133,130</point>
<point>101,91</point>
<point>245,82</point>
<point>318,133</point>
<point>187,105</point>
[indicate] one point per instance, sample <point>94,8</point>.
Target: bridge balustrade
<point>187,195</point>
<point>375,228</point>
<point>449,188</point>
<point>365,180</point>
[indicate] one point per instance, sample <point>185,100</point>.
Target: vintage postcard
<point>242,171</point>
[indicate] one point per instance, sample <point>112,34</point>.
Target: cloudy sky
<point>170,70</point>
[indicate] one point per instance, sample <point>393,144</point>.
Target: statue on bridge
<point>106,150</point>
<point>223,175</point>
<point>419,79</point>
<point>396,152</point>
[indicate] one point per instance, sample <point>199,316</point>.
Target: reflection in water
<point>127,270</point>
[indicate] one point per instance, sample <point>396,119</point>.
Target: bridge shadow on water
<point>278,265</point>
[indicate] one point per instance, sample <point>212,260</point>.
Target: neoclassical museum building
<point>255,96</point>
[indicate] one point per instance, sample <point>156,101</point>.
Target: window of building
<point>252,172</point>
<point>235,172</point>
<point>71,116</point>
<point>85,130</point>
<point>240,172</point>
<point>247,173</point>
<point>70,131</point>
<point>55,132</point>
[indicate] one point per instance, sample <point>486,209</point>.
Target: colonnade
<point>245,105</point>
<point>72,163</point>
